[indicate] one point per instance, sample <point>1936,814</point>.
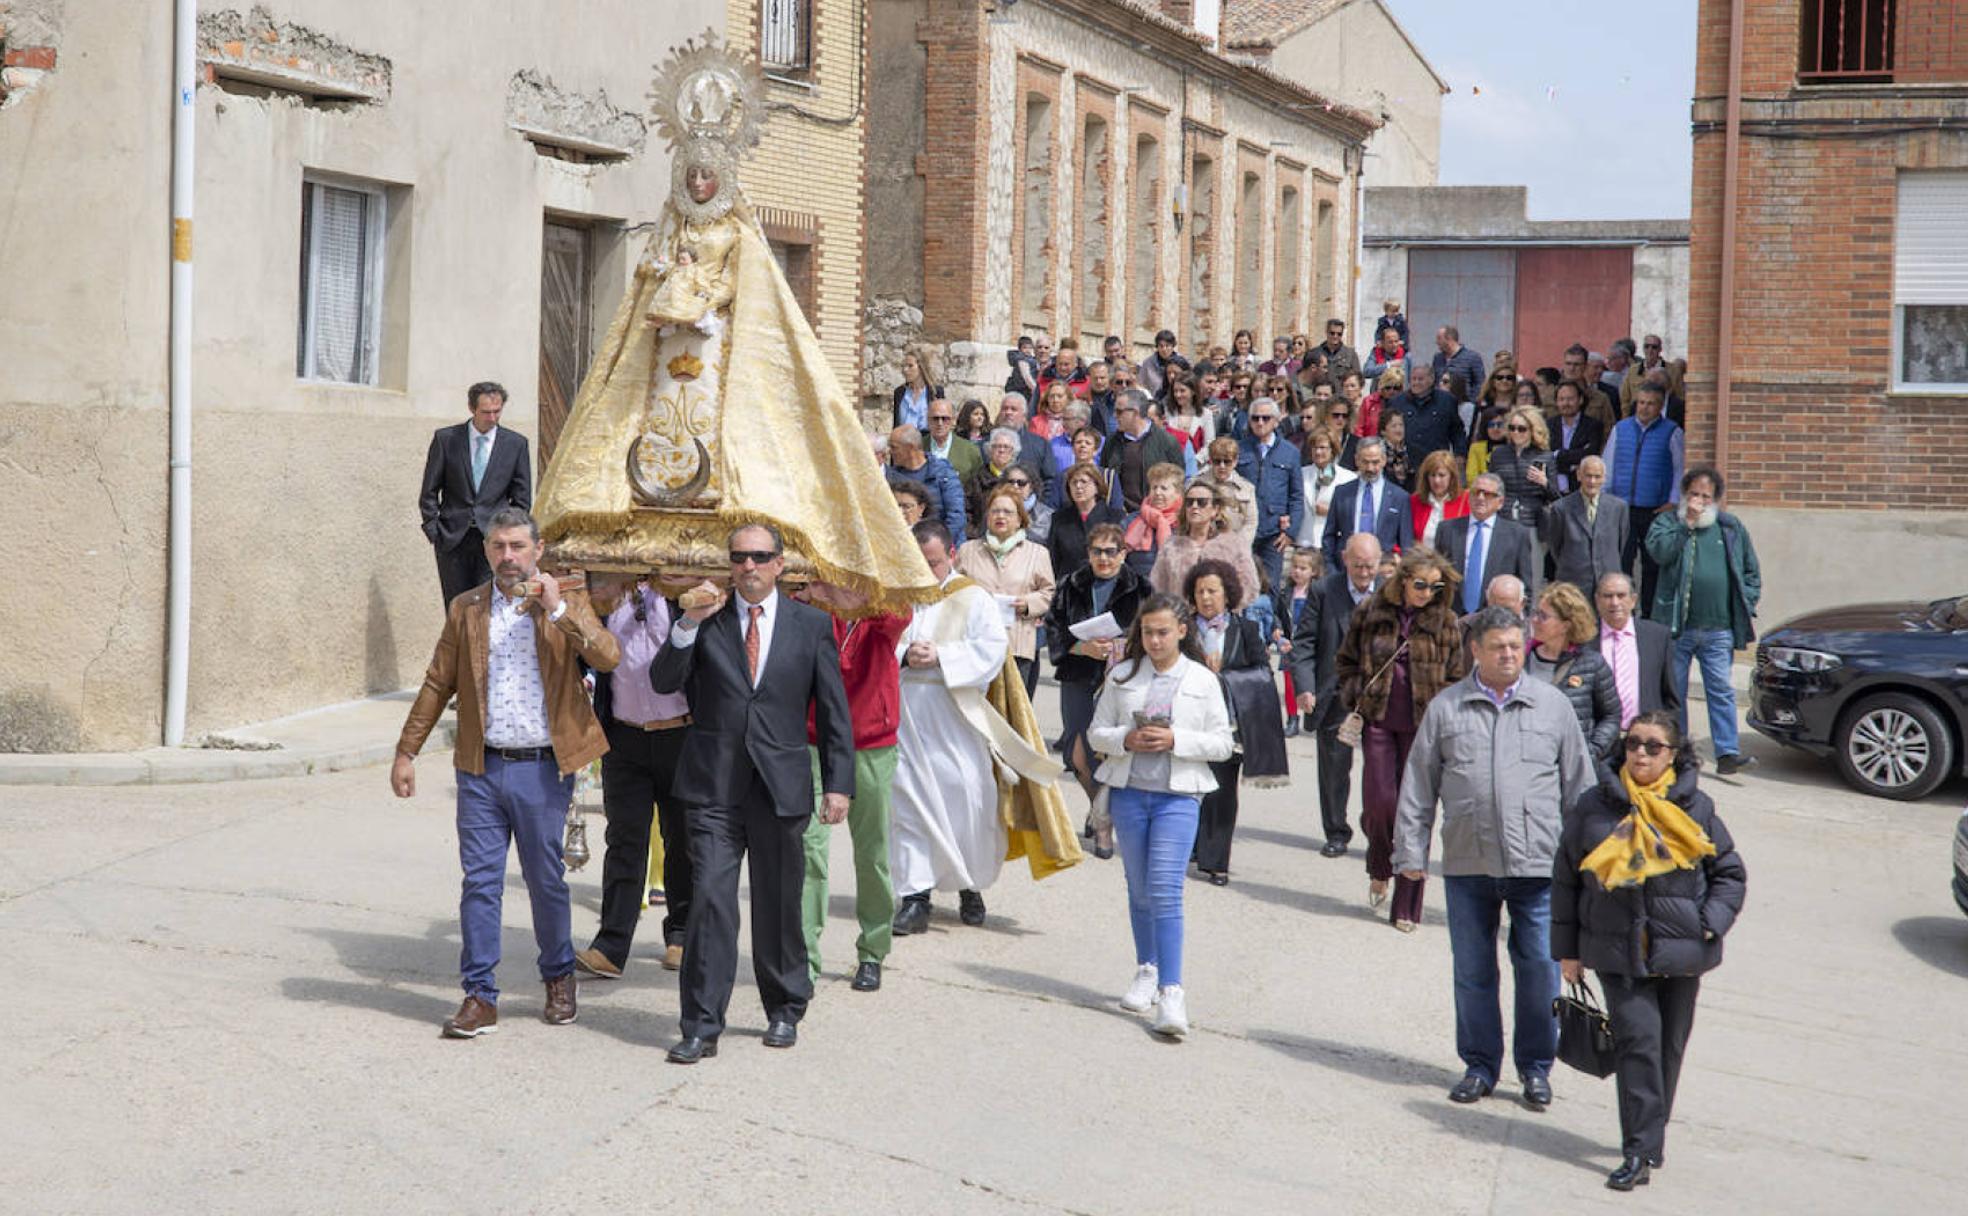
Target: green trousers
<point>867,825</point>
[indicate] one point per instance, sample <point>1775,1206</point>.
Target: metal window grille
<point>341,261</point>
<point>1848,40</point>
<point>786,34</point>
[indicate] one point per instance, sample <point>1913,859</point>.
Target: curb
<point>262,756</point>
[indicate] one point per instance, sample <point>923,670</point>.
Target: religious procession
<point>763,628</point>
<point>1215,598</point>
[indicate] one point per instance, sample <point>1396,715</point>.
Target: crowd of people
<point>1489,585</point>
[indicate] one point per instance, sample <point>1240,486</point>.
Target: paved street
<point>227,1000</point>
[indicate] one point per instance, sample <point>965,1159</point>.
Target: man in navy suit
<point>1483,545</point>
<point>1271,466</point>
<point>1315,641</point>
<point>751,680</point>
<point>473,470</point>
<point>1371,504</point>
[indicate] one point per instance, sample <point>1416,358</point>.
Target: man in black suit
<point>1315,641</point>
<point>1586,531</point>
<point>1501,547</point>
<point>745,775</point>
<point>472,470</point>
<point>1636,650</point>
<point>1575,434</point>
<point>1370,497</point>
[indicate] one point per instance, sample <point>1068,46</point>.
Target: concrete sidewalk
<point>353,734</point>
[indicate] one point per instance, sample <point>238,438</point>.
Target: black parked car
<point>1880,688</point>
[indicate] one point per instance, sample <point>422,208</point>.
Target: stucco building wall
<point>311,579</point>
<point>1361,56</point>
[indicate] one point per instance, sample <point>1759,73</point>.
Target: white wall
<point>1358,56</point>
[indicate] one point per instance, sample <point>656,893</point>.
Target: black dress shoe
<point>781,1034</point>
<point>867,977</point>
<point>1103,854</point>
<point>1729,766</point>
<point>970,907</point>
<point>1291,727</point>
<point>1634,1171</point>
<point>1333,848</point>
<point>1537,1093</point>
<point>1470,1089</point>
<point>692,1049</point>
<point>912,916</point>
<point>1218,878</point>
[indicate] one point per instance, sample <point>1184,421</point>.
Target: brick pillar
<point>956,148</point>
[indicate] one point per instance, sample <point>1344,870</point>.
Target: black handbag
<point>1585,1033</point>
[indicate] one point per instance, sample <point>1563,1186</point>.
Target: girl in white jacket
<point>1161,719</point>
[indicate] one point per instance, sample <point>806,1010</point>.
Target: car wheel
<point>1892,745</point>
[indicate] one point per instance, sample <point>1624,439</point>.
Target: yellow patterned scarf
<point>1658,837</point>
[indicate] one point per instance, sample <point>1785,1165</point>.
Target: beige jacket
<point>1026,573</point>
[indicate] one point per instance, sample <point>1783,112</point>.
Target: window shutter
<point>340,265</point>
<point>1930,249</point>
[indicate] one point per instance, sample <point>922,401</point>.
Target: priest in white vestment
<point>947,831</point>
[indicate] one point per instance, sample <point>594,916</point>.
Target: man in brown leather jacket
<point>525,727</point>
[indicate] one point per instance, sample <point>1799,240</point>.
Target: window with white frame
<point>341,282</point>
<point>786,35</point>
<point>1930,283</point>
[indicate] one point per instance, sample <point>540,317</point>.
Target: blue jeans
<point>1155,833</point>
<point>1475,906</point>
<point>522,803</point>
<point>1715,649</point>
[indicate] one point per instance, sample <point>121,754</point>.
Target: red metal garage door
<point>1571,295</point>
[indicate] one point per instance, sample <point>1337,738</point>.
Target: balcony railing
<point>1884,42</point>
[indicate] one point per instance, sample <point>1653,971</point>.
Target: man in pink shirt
<point>646,734</point>
<point>1636,650</point>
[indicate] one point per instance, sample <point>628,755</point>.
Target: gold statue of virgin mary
<point>710,403</point>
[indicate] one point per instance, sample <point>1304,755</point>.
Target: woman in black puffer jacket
<point>1561,625</point>
<point>1645,885</point>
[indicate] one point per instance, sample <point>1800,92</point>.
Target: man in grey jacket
<point>1504,756</point>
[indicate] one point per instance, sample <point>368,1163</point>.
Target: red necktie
<point>752,642</point>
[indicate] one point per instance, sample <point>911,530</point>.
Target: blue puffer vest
<point>1645,472</point>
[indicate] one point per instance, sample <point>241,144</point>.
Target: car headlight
<point>1799,659</point>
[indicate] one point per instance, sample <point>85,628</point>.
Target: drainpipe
<point>177,612</point>
<point>1725,336</point>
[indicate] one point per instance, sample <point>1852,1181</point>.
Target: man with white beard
<point>1709,586</point>
<point>947,832</point>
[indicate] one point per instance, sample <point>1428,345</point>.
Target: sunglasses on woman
<point>1422,584</point>
<point>1653,747</point>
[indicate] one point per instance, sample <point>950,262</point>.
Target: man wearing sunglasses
<point>1340,358</point>
<point>753,666</point>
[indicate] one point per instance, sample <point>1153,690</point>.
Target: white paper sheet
<point>1097,629</point>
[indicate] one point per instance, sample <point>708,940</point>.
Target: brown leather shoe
<point>593,962</point>
<point>673,957</point>
<point>474,1018</point>
<point>560,1001</point>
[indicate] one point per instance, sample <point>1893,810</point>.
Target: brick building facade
<point>806,177</point>
<point>1087,167</point>
<point>1843,422</point>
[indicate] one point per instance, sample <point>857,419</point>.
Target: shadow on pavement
<point>1532,1133</point>
<point>1289,840</point>
<point>1050,988</point>
<point>1312,901</point>
<point>1368,1063</point>
<point>1938,941</point>
<point>419,1007</point>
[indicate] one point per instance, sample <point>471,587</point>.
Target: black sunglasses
<point>1518,428</point>
<point>758,557</point>
<point>1653,747</point>
<point>1104,551</point>
<point>1018,481</point>
<point>1422,584</point>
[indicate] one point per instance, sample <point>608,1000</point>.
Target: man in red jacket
<point>874,697</point>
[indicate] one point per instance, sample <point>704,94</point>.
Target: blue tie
<point>1472,567</point>
<point>1366,508</point>
<point>480,444</point>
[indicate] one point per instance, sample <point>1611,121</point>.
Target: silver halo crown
<point>709,107</point>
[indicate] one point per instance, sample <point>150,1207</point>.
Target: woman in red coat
<point>1438,496</point>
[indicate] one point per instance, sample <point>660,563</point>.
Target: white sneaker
<point>1172,1019</point>
<point>1140,996</point>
